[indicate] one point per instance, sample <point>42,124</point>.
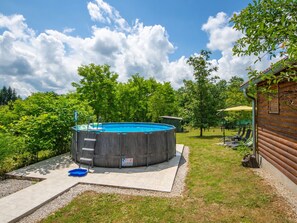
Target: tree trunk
<point>201,131</point>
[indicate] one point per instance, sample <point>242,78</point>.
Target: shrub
<point>11,149</point>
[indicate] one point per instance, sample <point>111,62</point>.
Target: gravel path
<point>10,186</point>
<point>279,189</point>
<point>64,199</point>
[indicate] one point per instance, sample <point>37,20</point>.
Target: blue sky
<point>43,42</point>
<point>182,19</point>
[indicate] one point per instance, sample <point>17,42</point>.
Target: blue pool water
<point>124,127</point>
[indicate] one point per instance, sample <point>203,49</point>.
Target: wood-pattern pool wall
<point>126,149</point>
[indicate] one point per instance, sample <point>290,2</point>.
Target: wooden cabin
<point>276,130</point>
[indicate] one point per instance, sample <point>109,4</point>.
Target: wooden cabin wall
<point>277,133</point>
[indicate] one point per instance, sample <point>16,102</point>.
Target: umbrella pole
<point>224,139</point>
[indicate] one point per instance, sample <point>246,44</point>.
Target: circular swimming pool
<point>123,144</point>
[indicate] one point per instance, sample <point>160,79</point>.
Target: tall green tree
<point>145,100</point>
<point>162,102</point>
<point>140,90</point>
<point>203,101</point>
<point>126,102</point>
<point>98,86</point>
<point>184,100</point>
<point>133,98</point>
<point>269,28</point>
<point>7,95</point>
<point>234,96</point>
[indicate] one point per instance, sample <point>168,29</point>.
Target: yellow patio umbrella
<point>237,108</point>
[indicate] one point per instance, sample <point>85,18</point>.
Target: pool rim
<point>172,127</point>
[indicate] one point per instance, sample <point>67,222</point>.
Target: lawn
<point>218,189</point>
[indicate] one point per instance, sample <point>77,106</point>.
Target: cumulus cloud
<point>48,61</point>
<point>102,12</point>
<point>16,25</point>
<point>222,37</point>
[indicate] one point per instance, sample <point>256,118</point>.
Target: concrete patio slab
<point>159,177</point>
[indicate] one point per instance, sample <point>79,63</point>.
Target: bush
<point>42,122</point>
<point>46,123</point>
<point>243,149</point>
<point>11,149</point>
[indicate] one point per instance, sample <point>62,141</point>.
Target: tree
<point>7,95</point>
<point>203,105</point>
<point>44,121</point>
<point>234,96</point>
<point>270,29</point>
<point>3,96</point>
<point>35,104</point>
<point>126,102</point>
<point>184,100</point>
<point>140,90</point>
<point>98,87</point>
<point>162,102</point>
<point>133,98</point>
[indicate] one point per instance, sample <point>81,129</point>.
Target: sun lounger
<point>244,140</point>
<point>248,143</point>
<point>238,136</point>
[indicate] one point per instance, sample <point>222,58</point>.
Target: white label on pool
<point>127,161</point>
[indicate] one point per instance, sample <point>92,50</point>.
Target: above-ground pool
<point>123,144</point>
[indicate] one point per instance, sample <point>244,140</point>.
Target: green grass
<point>218,189</point>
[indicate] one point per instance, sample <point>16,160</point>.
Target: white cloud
<point>68,30</point>
<point>95,12</point>
<point>16,25</point>
<point>222,37</point>
<point>102,12</point>
<point>177,71</point>
<point>49,61</point>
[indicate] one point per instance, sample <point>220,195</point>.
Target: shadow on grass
<point>207,137</point>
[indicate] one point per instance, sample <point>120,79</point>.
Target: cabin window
<point>273,101</point>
